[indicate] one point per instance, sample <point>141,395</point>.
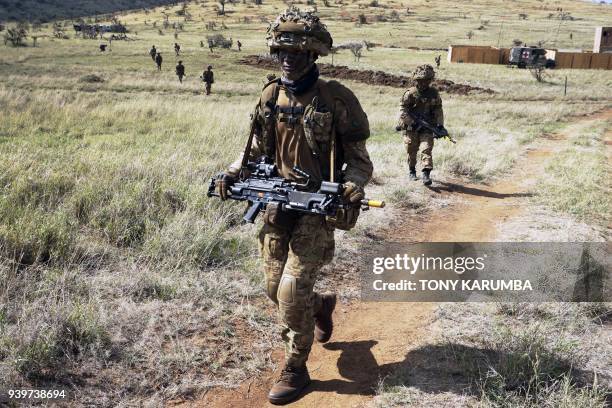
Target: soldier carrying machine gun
<point>264,186</point>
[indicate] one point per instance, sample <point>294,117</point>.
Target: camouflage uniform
<point>209,78</point>
<point>297,130</point>
<point>428,103</point>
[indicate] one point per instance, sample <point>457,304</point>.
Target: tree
<point>15,36</point>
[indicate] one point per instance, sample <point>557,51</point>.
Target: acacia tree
<point>15,36</point>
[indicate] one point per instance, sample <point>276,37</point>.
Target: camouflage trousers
<point>425,142</point>
<point>292,259</point>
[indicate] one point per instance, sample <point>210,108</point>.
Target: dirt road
<point>371,339</point>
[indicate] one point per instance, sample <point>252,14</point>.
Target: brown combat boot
<point>323,320</point>
<point>289,385</point>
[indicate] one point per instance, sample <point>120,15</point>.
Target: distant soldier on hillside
<point>239,45</point>
<point>437,59</point>
<point>177,49</point>
<point>209,78</point>
<point>423,100</point>
<point>158,61</point>
<point>180,71</point>
<point>153,53</point>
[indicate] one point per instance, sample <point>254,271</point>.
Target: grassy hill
<point>46,10</point>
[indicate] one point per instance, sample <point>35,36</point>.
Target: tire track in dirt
<point>371,338</point>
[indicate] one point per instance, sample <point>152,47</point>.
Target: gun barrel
<point>374,203</point>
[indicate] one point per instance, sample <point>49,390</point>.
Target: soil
<point>370,77</point>
<point>371,339</point>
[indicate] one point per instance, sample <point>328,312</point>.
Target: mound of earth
<point>368,76</point>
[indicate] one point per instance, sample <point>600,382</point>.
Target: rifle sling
<point>247,149</point>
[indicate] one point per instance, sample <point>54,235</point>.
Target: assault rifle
<point>264,186</point>
<point>421,122</point>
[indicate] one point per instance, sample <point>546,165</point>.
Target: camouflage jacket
<point>208,77</point>
<point>427,103</point>
<point>299,130</point>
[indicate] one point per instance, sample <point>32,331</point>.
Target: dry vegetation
<point>122,282</point>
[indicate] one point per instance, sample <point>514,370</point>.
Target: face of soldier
<point>295,64</point>
<point>422,84</point>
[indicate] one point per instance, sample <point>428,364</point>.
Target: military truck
<point>524,57</point>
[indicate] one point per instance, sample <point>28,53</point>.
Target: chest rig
<point>316,119</point>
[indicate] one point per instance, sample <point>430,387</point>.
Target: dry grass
<point>118,276</point>
<point>507,355</point>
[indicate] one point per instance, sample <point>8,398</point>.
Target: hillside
<point>47,10</point>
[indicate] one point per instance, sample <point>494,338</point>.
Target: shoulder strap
<point>247,149</point>
<point>331,149</point>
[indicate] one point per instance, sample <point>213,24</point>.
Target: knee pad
<point>272,290</point>
<point>286,290</point>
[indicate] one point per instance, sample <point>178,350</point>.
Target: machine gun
<point>421,122</point>
<point>264,186</point>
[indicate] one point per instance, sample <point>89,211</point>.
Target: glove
<point>224,182</point>
<point>352,192</point>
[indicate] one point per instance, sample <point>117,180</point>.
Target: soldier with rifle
<point>313,133</point>
<point>158,61</point>
<point>209,78</point>
<point>423,102</point>
<point>180,71</point>
<point>153,53</point>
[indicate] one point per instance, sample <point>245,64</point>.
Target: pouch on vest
<point>276,217</point>
<point>318,128</point>
<point>345,219</point>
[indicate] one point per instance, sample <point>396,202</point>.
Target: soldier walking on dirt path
<point>158,61</point>
<point>320,127</point>
<point>180,71</point>
<point>153,53</point>
<point>239,45</point>
<point>177,49</point>
<point>426,101</point>
<point>209,78</point>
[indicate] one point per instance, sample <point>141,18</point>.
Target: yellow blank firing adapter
<point>374,203</point>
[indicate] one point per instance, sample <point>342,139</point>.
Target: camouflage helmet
<point>424,72</point>
<point>298,30</point>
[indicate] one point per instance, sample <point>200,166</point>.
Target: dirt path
<point>370,339</point>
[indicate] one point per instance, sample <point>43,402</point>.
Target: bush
<point>15,36</point>
<point>219,41</point>
<point>91,78</point>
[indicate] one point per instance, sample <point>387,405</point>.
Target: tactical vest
<point>317,119</point>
